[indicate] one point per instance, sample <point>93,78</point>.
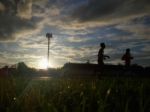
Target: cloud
<point>95,8</point>
<point>77,39</point>
<point>11,25</point>
<point>146,48</point>
<point>19,18</point>
<point>139,27</point>
<point>110,9</point>
<point>24,9</point>
<point>39,42</point>
<point>11,21</point>
<point>22,16</point>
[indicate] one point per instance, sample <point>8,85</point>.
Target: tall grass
<point>19,94</point>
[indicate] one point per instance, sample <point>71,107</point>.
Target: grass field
<point>18,94</point>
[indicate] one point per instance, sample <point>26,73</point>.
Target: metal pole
<point>49,36</point>
<point>48,53</point>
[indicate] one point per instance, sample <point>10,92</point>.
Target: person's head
<point>102,45</point>
<point>127,50</point>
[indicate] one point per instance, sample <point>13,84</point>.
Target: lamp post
<point>48,36</point>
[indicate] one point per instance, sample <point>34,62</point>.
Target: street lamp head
<point>48,35</point>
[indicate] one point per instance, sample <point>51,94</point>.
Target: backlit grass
<point>74,95</point>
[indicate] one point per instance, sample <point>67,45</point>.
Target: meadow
<point>24,94</point>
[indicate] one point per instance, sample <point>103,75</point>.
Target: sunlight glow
<point>43,64</point>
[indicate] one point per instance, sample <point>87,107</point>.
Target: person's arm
<point>131,57</point>
<point>106,56</point>
<point>123,57</point>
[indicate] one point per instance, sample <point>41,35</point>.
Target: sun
<point>43,63</point>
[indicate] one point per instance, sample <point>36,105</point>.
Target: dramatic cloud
<point>11,21</point>
<point>108,9</point>
<point>11,25</point>
<point>24,9</point>
<point>140,27</point>
<point>96,8</point>
<point>78,27</point>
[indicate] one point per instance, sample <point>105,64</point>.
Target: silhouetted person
<point>127,57</point>
<point>101,58</point>
<point>101,55</point>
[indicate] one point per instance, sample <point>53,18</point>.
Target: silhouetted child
<point>127,57</point>
<point>101,55</point>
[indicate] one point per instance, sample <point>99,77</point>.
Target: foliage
<point>22,94</point>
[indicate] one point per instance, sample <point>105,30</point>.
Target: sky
<point>78,27</point>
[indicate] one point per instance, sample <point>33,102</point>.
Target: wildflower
<point>68,87</point>
<point>81,94</point>
<point>108,91</point>
<point>14,98</point>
